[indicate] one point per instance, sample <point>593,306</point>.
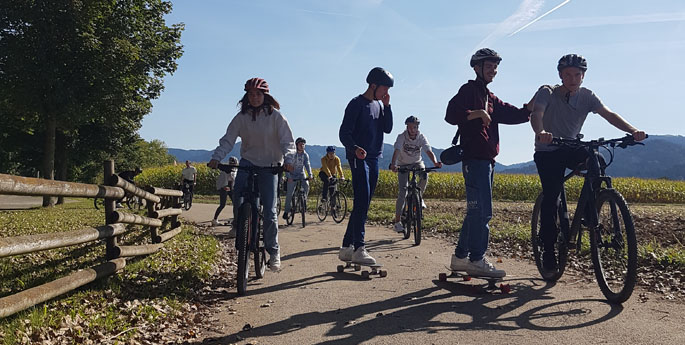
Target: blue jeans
<point>291,190</point>
<point>364,179</point>
<point>475,232</point>
<point>267,184</point>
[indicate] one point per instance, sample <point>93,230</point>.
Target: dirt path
<point>308,302</point>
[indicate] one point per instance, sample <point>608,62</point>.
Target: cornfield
<point>449,185</point>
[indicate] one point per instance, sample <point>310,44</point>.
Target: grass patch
<point>149,291</point>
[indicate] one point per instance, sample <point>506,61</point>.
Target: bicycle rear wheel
<point>187,201</point>
<point>418,210</point>
<point>303,208</point>
<point>614,247</point>
<point>322,209</point>
<point>260,253</point>
<point>243,246</point>
<point>560,248</point>
<point>339,209</point>
<point>99,203</point>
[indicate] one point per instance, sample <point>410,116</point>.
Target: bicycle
<point>336,204</point>
<point>412,215</point>
<point>249,230</point>
<point>613,243</point>
<point>282,183</point>
<point>133,202</point>
<point>298,203</point>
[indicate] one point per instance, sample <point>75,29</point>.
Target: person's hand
<point>360,153</point>
<point>438,164</point>
<point>213,163</point>
<point>386,99</point>
<point>544,137</point>
<point>482,114</point>
<point>393,167</point>
<point>639,135</point>
<point>289,167</point>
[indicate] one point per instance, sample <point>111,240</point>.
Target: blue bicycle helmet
<point>330,149</point>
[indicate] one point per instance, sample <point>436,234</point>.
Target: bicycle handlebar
<point>227,168</point>
<point>403,170</point>
<point>623,142</point>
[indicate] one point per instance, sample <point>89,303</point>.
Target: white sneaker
<point>345,253</point>
<point>275,261</point>
<point>484,268</point>
<point>423,204</point>
<point>215,222</point>
<point>361,256</point>
<point>399,227</point>
<point>459,264</point>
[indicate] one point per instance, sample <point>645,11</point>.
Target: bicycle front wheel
<point>293,210</point>
<point>417,220</point>
<point>614,247</point>
<point>243,246</point>
<point>339,209</point>
<point>260,253</point>
<point>187,201</point>
<point>99,203</point>
<point>321,209</point>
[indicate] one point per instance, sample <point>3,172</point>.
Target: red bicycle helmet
<point>257,83</point>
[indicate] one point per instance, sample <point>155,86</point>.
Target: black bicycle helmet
<point>485,54</point>
<point>412,119</point>
<point>300,140</point>
<point>380,76</point>
<point>572,60</point>
<point>330,148</point>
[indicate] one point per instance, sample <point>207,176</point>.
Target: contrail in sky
<point>539,17</point>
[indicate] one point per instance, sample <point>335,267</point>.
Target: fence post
<point>154,231</point>
<point>110,205</point>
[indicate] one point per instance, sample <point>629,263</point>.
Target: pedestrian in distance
<point>407,154</point>
<point>478,113</point>
<point>366,118</point>
<point>560,111</point>
<point>266,140</point>
<point>224,185</point>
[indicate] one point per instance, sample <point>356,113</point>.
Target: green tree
<point>73,66</point>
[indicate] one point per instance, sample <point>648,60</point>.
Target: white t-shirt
<point>410,149</point>
<point>188,173</point>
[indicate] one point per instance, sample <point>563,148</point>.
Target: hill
<point>663,156</point>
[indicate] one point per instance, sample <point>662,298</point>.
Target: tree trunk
<point>61,160</point>
<point>49,154</point>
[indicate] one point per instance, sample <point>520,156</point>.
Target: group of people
<point>553,111</point>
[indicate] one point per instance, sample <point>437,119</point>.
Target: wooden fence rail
<point>163,207</point>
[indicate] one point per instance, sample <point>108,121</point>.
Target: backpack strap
<point>455,140</point>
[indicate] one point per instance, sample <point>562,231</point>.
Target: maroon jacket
<point>478,141</point>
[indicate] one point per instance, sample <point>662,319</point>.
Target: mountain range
<point>662,156</point>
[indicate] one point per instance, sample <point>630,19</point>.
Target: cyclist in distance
<point>189,175</point>
<point>367,117</point>
<point>478,113</point>
<point>407,154</point>
<point>224,185</point>
<point>128,175</point>
<point>330,168</point>
<point>266,140</point>
<point>560,111</point>
<point>301,167</point>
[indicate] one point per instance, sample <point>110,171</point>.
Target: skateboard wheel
<point>442,277</point>
<point>467,278</point>
<point>383,273</point>
<point>365,274</point>
<point>357,268</point>
<point>505,288</point>
<point>341,268</point>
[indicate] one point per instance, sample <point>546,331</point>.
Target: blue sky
<point>315,54</point>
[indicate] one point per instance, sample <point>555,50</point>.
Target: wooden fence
<point>163,207</point>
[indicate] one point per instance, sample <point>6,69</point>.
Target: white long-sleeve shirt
<point>265,141</point>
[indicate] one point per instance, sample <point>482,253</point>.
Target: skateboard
<point>492,281</point>
<point>366,274</point>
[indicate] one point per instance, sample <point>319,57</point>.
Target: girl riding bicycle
<point>266,139</point>
<point>407,154</point>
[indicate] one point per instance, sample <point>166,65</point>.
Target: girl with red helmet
<point>266,140</point>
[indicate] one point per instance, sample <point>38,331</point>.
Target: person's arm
<point>508,114</point>
<point>541,98</point>
<point>308,166</point>
<point>194,175</point>
<point>347,127</point>
<point>387,117</point>
<point>287,143</point>
<point>339,167</point>
<point>617,121</point>
<point>226,142</point>
<point>392,166</point>
<point>429,152</point>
